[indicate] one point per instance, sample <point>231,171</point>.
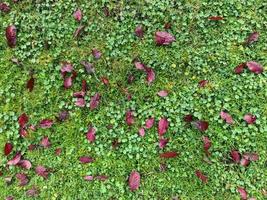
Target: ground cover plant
<point>133,99</point>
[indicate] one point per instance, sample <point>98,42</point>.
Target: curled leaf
<point>188,118</point>
<point>42,171</point>
<point>201,125</point>
<point>254,67</point>
<point>90,135</point>
<point>251,156</point>
<point>134,180</point>
<point>150,74</point>
<point>46,123</point>
<point>23,120</point>
<point>88,67</point>
<point>163,142</point>
<point>203,83</point>
<point>8,149</point>
<point>139,32</point>
<point>250,119</point>
<point>80,102</point>
<point>240,68</point>
<point>45,142</point>
<point>201,176</point>
<point>227,117</point>
<point>11,36</point>
<point>235,155</point>
<point>95,100</point>
<point>163,126</point>
<point>78,31</point>
<point>129,118</point>
<point>163,38</point>
<point>26,164</point>
<point>86,159</point>
<point>22,178</point>
<point>149,123</point>
<point>253,37</point>
<point>206,144</point>
<point>78,15</point>
<point>15,160</point>
<point>243,193</point>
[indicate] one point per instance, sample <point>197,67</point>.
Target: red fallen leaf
<point>66,68</point>
<point>240,68</point>
<point>23,120</point>
<point>15,160</point>
<point>167,25</point>
<point>201,125</point>
<point>45,142</point>
<point>235,155</point>
<point>58,151</point>
<point>32,127</point>
<point>79,94</point>
<point>150,123</point>
<point>89,178</point>
<point>78,31</point>
<point>254,67</point>
<point>86,159</point>
<point>243,193</point>
<point>1,173</point>
<point>163,93</point>
<point>11,36</point>
<point>244,162</point>
<point>251,156</point>
<point>101,177</point>
<point>163,38</point>
<point>163,126</point>
<point>141,132</point>
<point>106,11</point>
<point>84,86</point>
<point>95,100</point>
<point>4,7</point>
<point>42,171</point>
<point>150,74</point>
<point>89,67</point>
<point>26,164</point>
<point>253,37</point>
<point>188,118</point>
<point>206,144</point>
<point>250,119</point>
<point>227,117</point>
<point>46,123</point>
<point>8,149</point>
<point>201,176</point>
<point>78,15</point>
<point>134,180</point>
<point>216,18</point>
<point>169,154</point>
<point>163,142</point>
<point>67,82</point>
<point>31,147</point>
<point>9,198</point>
<point>80,102</point>
<point>63,115</point>
<point>22,178</point>
<point>130,79</point>
<point>138,65</point>
<point>23,133</point>
<point>90,135</point>
<point>203,83</point>
<point>96,53</point>
<point>129,118</point>
<point>33,192</point>
<point>30,84</point>
<point>139,32</point>
<point>105,80</point>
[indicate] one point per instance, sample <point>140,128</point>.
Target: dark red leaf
<point>11,36</point>
<point>23,120</point>
<point>250,119</point>
<point>169,154</point>
<point>129,118</point>
<point>33,192</point>
<point>240,68</point>
<point>31,147</point>
<point>235,155</point>
<point>4,7</point>
<point>243,193</point>
<point>89,67</point>
<point>216,18</point>
<point>8,148</point>
<point>188,118</point>
<point>30,84</point>
<point>15,160</point>
<point>134,180</point>
<point>78,15</point>
<point>79,94</point>
<point>206,144</point>
<point>150,122</point>
<point>46,123</point>
<point>141,132</point>
<point>86,159</point>
<point>78,31</point>
<point>23,133</point>
<point>84,86</point>
<point>201,125</point>
<point>163,142</point>
<point>163,126</point>
<point>201,176</point>
<point>96,53</point>
<point>42,171</point>
<point>150,74</point>
<point>80,102</point>
<point>203,83</point>
<point>254,67</point>
<point>26,164</point>
<point>163,93</point>
<point>45,142</point>
<point>139,32</point>
<point>95,100</point>
<point>227,117</point>
<point>167,25</point>
<point>90,135</point>
<point>22,178</point>
<point>253,37</point>
<point>163,38</point>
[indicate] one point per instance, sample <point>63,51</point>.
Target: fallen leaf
<point>8,149</point>
<point>90,135</point>
<point>243,193</point>
<point>78,15</point>
<point>129,118</point>
<point>139,32</point>
<point>163,126</point>
<point>22,178</point>
<point>253,37</point>
<point>11,36</point>
<point>46,123</point>
<point>163,142</point>
<point>134,180</point>
<point>201,125</point>
<point>249,118</point>
<point>95,100</point>
<point>227,117</point>
<point>169,154</point>
<point>201,176</point>
<point>86,159</point>
<point>254,67</point>
<point>15,160</point>
<point>163,93</point>
<point>149,123</point>
<point>163,38</point>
